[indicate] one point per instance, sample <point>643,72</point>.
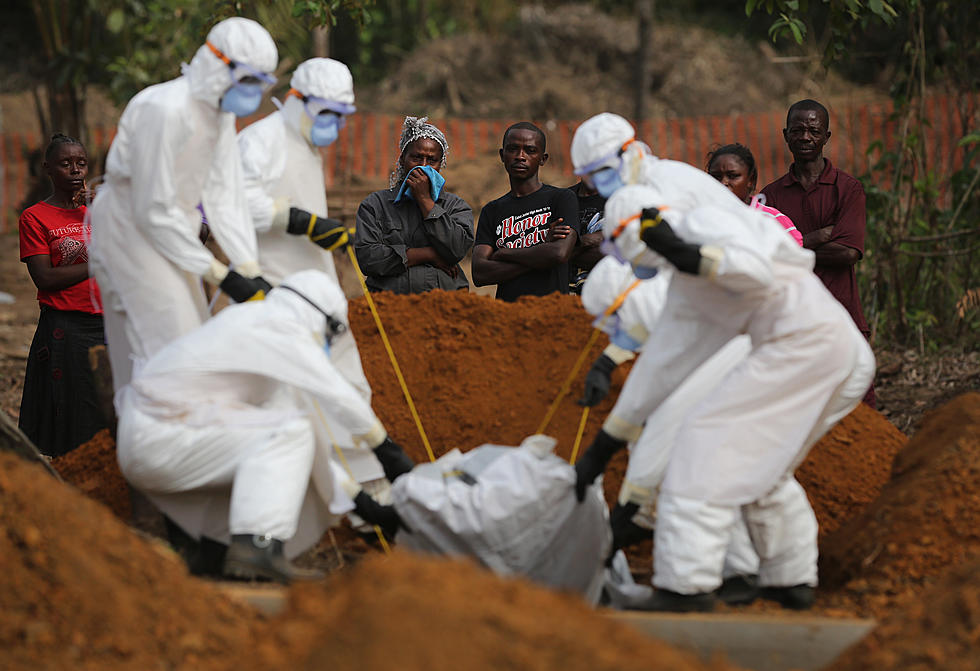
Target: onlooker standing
<point>411,236</point>
<point>59,411</point>
<point>587,253</point>
<point>526,237</point>
<point>827,206</point>
<point>734,166</point>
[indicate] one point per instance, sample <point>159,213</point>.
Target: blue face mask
<point>242,99</point>
<point>325,130</point>
<point>607,181</point>
<point>644,272</point>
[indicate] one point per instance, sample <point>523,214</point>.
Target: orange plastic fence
<point>368,145</point>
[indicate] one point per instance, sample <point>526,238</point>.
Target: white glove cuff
<point>249,269</point>
<point>711,257</point>
<point>620,429</point>
<point>618,354</point>
<point>374,437</point>
<point>217,273</point>
<point>280,216</point>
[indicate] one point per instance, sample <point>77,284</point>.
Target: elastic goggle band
<point>599,162</point>
<point>334,325</point>
<point>240,71</point>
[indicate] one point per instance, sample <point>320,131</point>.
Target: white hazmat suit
<point>284,169</point>
<point>229,429</point>
<point>737,449</point>
<point>174,149</point>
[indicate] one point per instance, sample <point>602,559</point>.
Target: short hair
<point>527,125</point>
<point>57,140</point>
<point>809,105</point>
<point>735,149</point>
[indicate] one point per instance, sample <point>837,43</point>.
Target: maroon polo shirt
<point>835,199</point>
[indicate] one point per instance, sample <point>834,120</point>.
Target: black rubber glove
<point>328,233</point>
<point>597,381</point>
<point>393,459</point>
<point>660,237</point>
<point>241,289</point>
<point>373,512</point>
<point>593,462</point>
<point>625,531</point>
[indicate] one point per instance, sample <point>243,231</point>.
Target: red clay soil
<point>418,614</point>
<point>937,630</point>
<point>92,468</point>
<point>926,520</point>
<point>847,468</point>
<point>82,591</point>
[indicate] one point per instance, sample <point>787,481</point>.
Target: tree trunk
<point>644,48</point>
<point>321,42</point>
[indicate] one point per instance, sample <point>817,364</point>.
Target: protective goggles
<point>603,160</point>
<point>314,105</point>
<point>243,73</point>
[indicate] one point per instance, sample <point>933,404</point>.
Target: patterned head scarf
<point>416,128</point>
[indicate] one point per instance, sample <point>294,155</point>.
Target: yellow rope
<point>350,473</point>
<point>618,303</point>
<point>578,436</point>
<point>391,353</point>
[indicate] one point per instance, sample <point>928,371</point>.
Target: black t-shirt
<point>523,222</point>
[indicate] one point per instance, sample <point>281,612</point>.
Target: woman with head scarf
<point>411,236</point>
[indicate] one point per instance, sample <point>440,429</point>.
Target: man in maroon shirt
<point>827,206</point>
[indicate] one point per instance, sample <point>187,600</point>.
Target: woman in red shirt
<point>59,411</point>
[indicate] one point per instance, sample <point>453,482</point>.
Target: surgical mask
<point>325,129</point>
<point>644,272</point>
<point>242,99</point>
<point>607,181</point>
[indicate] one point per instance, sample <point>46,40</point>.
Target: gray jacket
<point>385,229</point>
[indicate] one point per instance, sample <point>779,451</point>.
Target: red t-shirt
<point>61,234</point>
<point>835,199</point>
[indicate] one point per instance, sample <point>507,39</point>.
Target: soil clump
<point>432,614</point>
<point>93,469</point>
<point>926,519</point>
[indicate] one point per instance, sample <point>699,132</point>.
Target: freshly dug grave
<point>425,614</point>
<point>926,519</point>
<point>939,629</point>
<point>82,591</point>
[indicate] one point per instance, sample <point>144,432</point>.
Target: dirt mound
<point>847,468</point>
<point>93,469</point>
<point>938,630</point>
<point>540,66</point>
<point>926,519</point>
<point>82,591</point>
<point>431,614</point>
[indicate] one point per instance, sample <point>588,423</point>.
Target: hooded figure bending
<point>175,150</point>
<point>229,430</point>
<point>735,271</point>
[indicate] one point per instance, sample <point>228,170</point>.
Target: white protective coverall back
<point>512,509</point>
<point>650,453</point>
<point>282,169</point>
<point>738,448</point>
<point>229,428</point>
<point>174,149</point>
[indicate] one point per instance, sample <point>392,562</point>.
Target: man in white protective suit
<point>175,149</point>
<point>229,429</point>
<point>627,310</point>
<point>736,272</point>
<point>284,187</point>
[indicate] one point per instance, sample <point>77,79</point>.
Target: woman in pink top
<point>734,166</point>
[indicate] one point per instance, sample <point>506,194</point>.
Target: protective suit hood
<point>240,39</point>
<point>622,222</point>
<point>319,289</point>
<point>323,78</point>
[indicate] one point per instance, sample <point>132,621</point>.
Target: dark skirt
<point>59,410</point>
